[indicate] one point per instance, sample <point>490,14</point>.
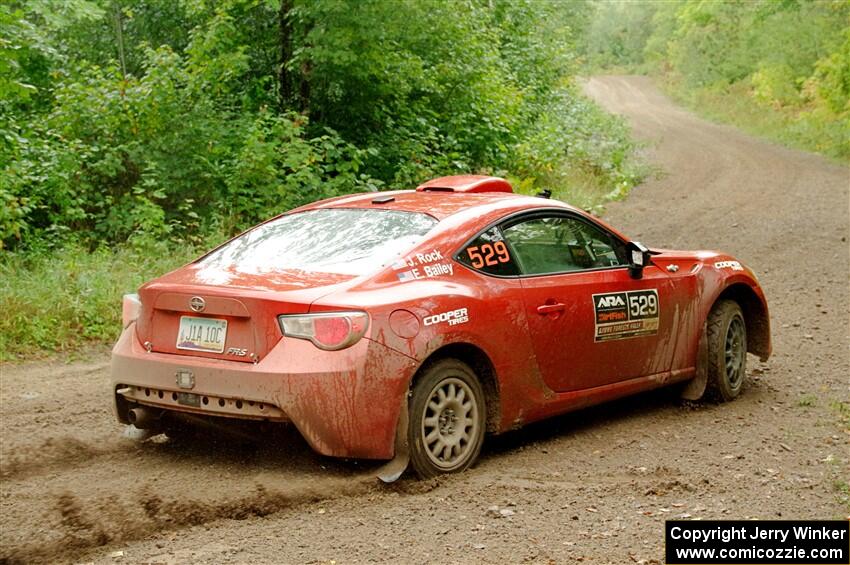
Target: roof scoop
<point>466,184</point>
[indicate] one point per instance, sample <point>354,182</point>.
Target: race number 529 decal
<point>489,254</point>
<point>643,305</point>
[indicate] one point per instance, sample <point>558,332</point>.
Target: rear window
<point>334,240</point>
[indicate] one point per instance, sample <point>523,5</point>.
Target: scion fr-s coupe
<point>407,325</point>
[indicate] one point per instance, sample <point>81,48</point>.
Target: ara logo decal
<point>621,315</point>
<point>609,301</point>
<point>453,317</point>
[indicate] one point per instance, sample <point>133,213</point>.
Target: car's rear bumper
<point>345,403</point>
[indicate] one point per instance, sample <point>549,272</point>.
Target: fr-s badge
<point>621,315</point>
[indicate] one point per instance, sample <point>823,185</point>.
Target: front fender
<point>742,287</point>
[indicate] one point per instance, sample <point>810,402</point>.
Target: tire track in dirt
<point>55,453</point>
<point>79,524</point>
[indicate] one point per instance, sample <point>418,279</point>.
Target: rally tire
<point>447,419</point>
<point>727,351</point>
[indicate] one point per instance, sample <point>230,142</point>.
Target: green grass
<point>809,129</point>
<point>807,400</point>
<point>67,299</point>
<point>842,492</point>
<point>588,189</point>
<point>581,189</point>
<point>842,409</point>
<point>840,484</point>
<point>584,190</point>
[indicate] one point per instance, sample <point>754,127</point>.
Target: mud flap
<point>695,388</point>
<point>393,470</point>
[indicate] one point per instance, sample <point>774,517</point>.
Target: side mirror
<point>638,255</point>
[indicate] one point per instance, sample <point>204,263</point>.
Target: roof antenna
<point>545,193</point>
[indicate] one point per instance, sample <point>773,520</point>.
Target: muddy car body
<point>429,317</point>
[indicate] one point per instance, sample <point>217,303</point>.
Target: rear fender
<point>508,370</point>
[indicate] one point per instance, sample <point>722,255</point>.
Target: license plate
<point>202,334</point>
<point>188,399</point>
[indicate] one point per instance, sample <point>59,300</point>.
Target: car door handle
<point>550,308</point>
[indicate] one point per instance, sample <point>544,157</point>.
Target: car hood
<point>683,255</point>
<point>663,257</point>
<point>690,261</point>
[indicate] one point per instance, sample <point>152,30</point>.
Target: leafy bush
<point>157,120</point>
<point>775,85</point>
<point>597,147</point>
<point>831,80</point>
<point>277,168</point>
<point>154,157</point>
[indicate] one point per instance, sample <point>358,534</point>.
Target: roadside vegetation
<point>778,68</point>
<point>135,133</point>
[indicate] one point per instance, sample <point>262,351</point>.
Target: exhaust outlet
<point>144,418</point>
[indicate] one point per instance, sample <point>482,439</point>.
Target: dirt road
<point>593,486</point>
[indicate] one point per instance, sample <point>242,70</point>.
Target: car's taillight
<point>328,330</point>
<point>131,307</point>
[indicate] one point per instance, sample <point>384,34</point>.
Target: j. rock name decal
<point>621,315</point>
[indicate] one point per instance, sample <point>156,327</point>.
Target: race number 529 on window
<point>489,254</point>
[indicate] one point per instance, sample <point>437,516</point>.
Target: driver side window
<point>558,244</point>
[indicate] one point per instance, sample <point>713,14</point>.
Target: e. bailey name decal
<point>427,271</point>
<point>621,315</point>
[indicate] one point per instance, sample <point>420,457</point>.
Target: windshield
<point>334,240</point>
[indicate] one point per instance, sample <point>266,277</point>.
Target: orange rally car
<point>407,325</point>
